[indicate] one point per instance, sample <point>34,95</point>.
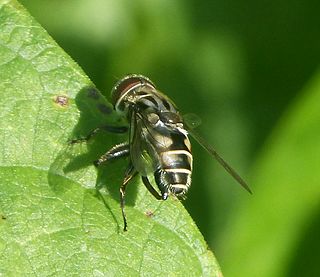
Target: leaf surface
<point>52,219</point>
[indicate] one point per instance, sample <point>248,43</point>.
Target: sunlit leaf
<point>52,220</point>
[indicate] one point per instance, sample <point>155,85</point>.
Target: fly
<point>158,141</point>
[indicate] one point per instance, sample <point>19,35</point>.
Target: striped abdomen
<point>174,173</point>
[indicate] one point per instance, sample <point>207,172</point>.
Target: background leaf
<point>284,211</point>
<point>52,219</point>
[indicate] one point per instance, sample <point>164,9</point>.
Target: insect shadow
<point>72,161</point>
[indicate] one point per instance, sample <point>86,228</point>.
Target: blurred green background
<point>249,70</point>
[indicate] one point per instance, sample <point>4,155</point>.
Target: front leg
<point>107,128</point>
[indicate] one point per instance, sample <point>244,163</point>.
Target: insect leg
<point>108,128</point>
<point>130,173</point>
<point>115,129</point>
<point>117,151</point>
<point>150,188</point>
<point>89,136</point>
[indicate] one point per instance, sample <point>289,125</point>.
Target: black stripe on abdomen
<point>176,160</point>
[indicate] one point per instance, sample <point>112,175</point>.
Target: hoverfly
<point>158,141</point>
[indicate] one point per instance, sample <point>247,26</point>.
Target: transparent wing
<point>140,157</point>
<point>193,121</point>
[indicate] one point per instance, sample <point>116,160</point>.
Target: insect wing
<point>221,161</point>
<point>141,160</point>
<point>191,120</point>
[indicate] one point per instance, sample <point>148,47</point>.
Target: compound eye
<point>153,118</point>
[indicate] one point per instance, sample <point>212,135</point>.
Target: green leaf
<point>52,219</point>
<point>273,232</point>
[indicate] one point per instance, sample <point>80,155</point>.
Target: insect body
<point>158,140</point>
